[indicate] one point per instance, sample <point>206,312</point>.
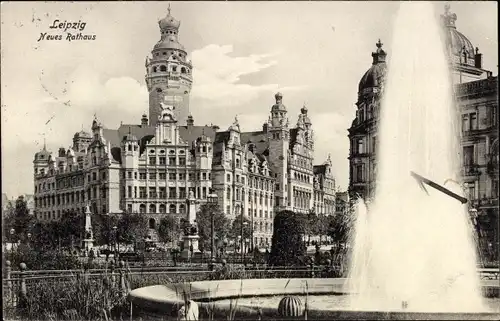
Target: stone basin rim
<point>168,297</point>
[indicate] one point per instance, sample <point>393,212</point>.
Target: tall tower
<point>279,141</point>
<point>168,73</point>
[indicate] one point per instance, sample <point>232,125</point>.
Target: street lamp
<point>117,245</point>
<point>12,231</point>
<point>243,224</point>
<point>212,200</point>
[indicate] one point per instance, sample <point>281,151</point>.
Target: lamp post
<point>243,224</point>
<point>116,247</point>
<point>212,200</point>
<point>12,231</point>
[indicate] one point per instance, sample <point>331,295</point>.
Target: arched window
<point>182,208</point>
<point>183,70</point>
<point>142,208</point>
<point>155,69</point>
<point>163,68</point>
<point>152,208</point>
<point>172,209</point>
<point>261,227</point>
<point>174,68</point>
<point>152,223</point>
<point>163,208</point>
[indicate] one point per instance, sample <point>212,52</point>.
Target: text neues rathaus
<point>151,167</point>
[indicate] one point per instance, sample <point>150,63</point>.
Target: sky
<point>315,53</point>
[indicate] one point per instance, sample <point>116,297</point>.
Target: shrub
<point>287,245</point>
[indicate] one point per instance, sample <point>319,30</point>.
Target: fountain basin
<point>213,299</point>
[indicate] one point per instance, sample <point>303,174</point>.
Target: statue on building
<point>166,110</point>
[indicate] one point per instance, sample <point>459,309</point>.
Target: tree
<point>339,226</point>
<point>169,229</point>
<point>19,219</point>
<point>236,227</point>
<point>130,227</point>
<point>287,246</point>
<point>204,219</point>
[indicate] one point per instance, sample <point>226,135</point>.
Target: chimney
<point>265,127</point>
<point>144,120</point>
<point>478,59</point>
<point>62,152</point>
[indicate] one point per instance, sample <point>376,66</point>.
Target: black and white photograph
<point>250,160</point>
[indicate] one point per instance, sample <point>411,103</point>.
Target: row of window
<point>163,176</point>
<point>162,160</point>
<point>161,192</point>
<point>164,68</point>
<point>239,195</point>
<point>68,182</point>
<point>253,182</point>
<point>161,208</point>
<point>70,198</point>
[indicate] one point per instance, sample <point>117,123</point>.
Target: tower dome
<point>459,46</point>
<point>82,134</point>
<point>374,76</point>
<point>169,22</point>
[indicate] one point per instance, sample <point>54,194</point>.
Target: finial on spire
<point>129,130</point>
<point>379,44</point>
<point>169,8</point>
<point>447,8</point>
<point>44,144</point>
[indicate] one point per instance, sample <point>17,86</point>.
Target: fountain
<point>418,249</point>
<point>413,254</point>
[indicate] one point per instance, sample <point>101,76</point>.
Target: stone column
<point>191,236</point>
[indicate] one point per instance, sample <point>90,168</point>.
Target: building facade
<point>475,91</point>
<point>151,167</point>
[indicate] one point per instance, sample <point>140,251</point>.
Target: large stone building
<point>151,167</point>
<point>475,91</point>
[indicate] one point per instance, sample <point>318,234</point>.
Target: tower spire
<point>169,8</point>
<point>44,144</point>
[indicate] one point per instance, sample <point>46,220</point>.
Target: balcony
<point>492,167</point>
<point>478,88</point>
<point>470,171</point>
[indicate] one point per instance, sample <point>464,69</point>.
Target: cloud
<point>218,76</point>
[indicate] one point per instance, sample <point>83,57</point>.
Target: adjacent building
<point>151,167</point>
<point>476,94</point>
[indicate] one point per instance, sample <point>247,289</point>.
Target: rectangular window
<point>163,160</point>
<point>204,176</point>
<point>228,210</point>
<point>152,192</point>
<point>152,160</point>
<point>142,175</point>
<point>129,208</point>
<point>163,192</point>
<point>360,146</point>
<point>135,191</point>
<point>172,176</point>
<point>142,192</point>
<point>359,173</point>
<point>468,155</point>
<point>191,176</point>
<point>171,161</point>
<point>129,174</point>
<point>152,175</point>
<point>182,192</point>
<point>163,176</point>
<point>135,175</point>
<point>228,178</point>
<point>129,190</point>
<point>182,161</point>
<point>182,176</point>
<point>172,192</point>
